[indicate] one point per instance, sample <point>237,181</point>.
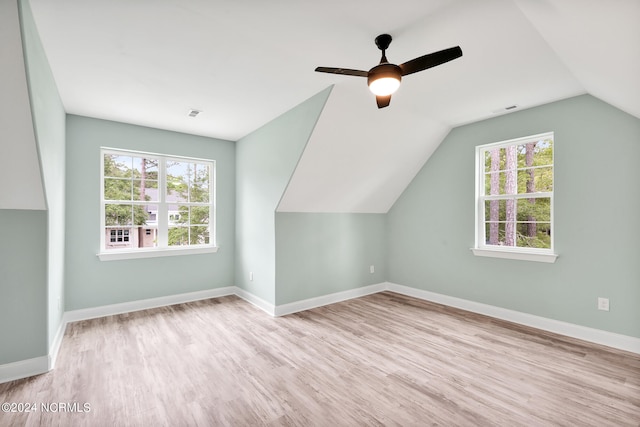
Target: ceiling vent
<point>502,110</point>
<point>194,113</point>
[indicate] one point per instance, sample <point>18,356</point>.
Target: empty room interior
<point>217,213</point>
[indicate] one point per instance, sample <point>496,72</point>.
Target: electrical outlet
<point>251,276</point>
<point>603,304</point>
<point>372,269</point>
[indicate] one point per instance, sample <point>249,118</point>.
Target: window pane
<point>146,168</point>
<point>504,182</point>
<point>140,215</point>
<point>500,218</point>
<point>534,209</point>
<point>534,235</point>
<point>500,210</point>
<point>494,160</point>
<point>120,214</point>
<point>116,214</point>
<point>117,189</point>
<point>147,237</point>
<point>543,153</point>
<point>152,215</point>
<point>181,216</point>
<point>145,190</point>
<point>178,236</point>
<point>494,233</point>
<point>492,183</point>
<point>199,186</point>
<point>117,166</point>
<point>178,180</point>
<point>199,215</point>
<point>532,180</point>
<point>199,235</point>
<point>494,212</point>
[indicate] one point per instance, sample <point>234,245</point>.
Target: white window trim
<point>509,252</point>
<point>520,254</point>
<point>118,254</point>
<point>162,251</point>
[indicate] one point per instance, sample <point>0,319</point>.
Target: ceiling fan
<point>384,78</point>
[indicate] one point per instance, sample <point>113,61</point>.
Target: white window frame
<point>509,252</point>
<point>162,216</point>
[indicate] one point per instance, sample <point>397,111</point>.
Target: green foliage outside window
<point>123,182</point>
<point>190,182</point>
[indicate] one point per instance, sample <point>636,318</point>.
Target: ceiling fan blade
<point>383,101</point>
<point>345,71</point>
<point>430,60</point>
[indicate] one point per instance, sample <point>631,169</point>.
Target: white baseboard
<point>145,304</point>
<point>307,304</point>
<point>257,301</point>
<point>24,368</point>
<point>40,365</point>
<point>598,336</point>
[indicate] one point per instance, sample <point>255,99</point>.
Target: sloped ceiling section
<point>598,41</point>
<point>360,159</point>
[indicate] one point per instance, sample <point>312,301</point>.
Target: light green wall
<point>266,160</point>
<point>23,304</point>
<point>323,253</point>
<point>90,282</point>
<point>49,123</point>
<point>597,147</point>
<point>31,241</point>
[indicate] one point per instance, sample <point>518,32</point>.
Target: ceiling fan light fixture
<point>384,79</point>
<point>384,86</point>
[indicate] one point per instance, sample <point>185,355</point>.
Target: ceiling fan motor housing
<point>384,71</point>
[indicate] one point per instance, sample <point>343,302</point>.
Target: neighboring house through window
<point>119,236</point>
<point>514,199</point>
<point>153,202</point>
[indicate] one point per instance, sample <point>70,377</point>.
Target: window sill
<point>154,253</point>
<point>519,255</point>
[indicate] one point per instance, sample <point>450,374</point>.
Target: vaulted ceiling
<point>243,63</point>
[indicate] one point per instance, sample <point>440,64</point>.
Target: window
<point>153,205</point>
<point>514,199</point>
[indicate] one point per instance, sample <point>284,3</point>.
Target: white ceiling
<point>243,63</point>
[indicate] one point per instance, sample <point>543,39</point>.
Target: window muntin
<point>153,201</point>
<point>515,195</point>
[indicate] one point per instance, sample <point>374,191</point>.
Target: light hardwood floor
<point>384,359</point>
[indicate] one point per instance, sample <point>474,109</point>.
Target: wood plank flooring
<point>383,359</point>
